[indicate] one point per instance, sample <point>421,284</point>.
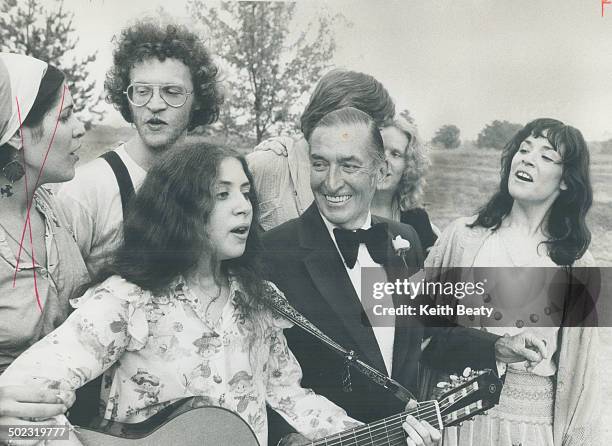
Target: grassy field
<point>459,181</point>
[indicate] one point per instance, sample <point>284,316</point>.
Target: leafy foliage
<point>447,136</point>
<point>497,134</point>
<point>45,31</point>
<point>270,66</point>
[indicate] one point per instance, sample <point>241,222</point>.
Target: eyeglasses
<point>139,95</point>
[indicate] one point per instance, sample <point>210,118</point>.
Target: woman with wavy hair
<point>399,196</point>
<point>535,219</point>
<point>182,311</point>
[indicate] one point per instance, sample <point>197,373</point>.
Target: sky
<point>465,62</point>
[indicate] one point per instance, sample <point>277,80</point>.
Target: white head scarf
<point>20,78</point>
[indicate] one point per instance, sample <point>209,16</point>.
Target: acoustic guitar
<point>183,424</point>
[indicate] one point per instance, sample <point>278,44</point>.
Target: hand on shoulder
<point>277,144</point>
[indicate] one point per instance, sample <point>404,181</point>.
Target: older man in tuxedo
<point>316,261</point>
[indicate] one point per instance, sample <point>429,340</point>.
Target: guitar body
<point>186,423</point>
<point>199,426</point>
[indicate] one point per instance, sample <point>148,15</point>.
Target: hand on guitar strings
<point>420,433</point>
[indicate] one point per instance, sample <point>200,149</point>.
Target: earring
<point>13,171</point>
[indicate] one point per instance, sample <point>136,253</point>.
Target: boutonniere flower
<point>401,246</point>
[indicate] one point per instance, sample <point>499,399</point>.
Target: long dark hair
<point>568,234</point>
<point>164,225</point>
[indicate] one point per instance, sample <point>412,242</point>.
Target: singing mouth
<point>523,176</point>
<point>156,121</point>
<point>241,230</point>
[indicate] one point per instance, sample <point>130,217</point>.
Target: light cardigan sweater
<point>577,415</point>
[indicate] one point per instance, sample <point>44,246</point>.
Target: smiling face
<point>396,144</point>
<point>158,124</point>
<point>343,173</point>
<point>61,157</point>
<point>230,220</point>
<point>535,172</point>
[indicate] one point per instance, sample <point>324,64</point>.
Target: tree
<point>46,32</point>
<point>447,136</point>
<point>270,69</point>
<point>497,134</point>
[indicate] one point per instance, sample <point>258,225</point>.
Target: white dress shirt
<point>385,336</point>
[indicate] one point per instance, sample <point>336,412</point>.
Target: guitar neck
<point>388,431</point>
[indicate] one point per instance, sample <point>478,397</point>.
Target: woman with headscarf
<point>40,263</point>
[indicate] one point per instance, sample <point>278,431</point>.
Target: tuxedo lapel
<point>395,267</point>
<point>394,262</point>
<point>327,272</point>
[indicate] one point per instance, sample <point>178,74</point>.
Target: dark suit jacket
<point>419,220</point>
<point>301,259</point>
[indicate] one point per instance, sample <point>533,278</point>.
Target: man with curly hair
<point>163,82</point>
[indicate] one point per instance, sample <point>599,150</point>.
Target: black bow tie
<point>374,238</point>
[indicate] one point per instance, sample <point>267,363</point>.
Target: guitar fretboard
<point>387,432</point>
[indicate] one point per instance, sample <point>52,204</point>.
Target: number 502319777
<point>49,432</point>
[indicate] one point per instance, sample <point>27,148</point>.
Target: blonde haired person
<point>399,196</point>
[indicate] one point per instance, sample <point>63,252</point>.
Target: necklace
<point>199,291</point>
<point>212,300</point>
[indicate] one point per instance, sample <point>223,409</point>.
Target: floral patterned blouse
<point>156,349</point>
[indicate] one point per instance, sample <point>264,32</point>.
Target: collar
<point>179,285</point>
<point>127,159</point>
<point>331,226</point>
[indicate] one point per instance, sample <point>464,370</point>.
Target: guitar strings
<point>373,437</point>
<point>394,422</point>
<point>383,426</point>
<point>378,427</point>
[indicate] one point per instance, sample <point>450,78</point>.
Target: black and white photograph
<point>318,222</point>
